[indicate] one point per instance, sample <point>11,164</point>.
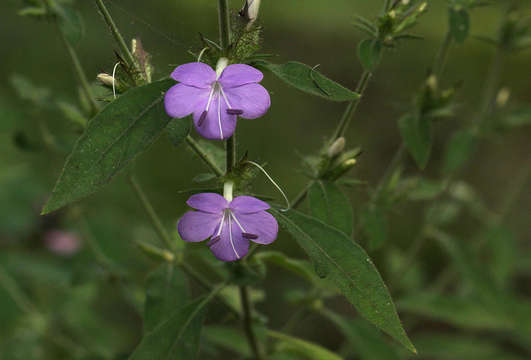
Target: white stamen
<point>237,222</point>
<point>210,98</point>
<point>224,97</point>
<point>219,118</point>
<point>113,79</point>
<point>221,225</point>
<point>230,237</point>
<point>274,183</point>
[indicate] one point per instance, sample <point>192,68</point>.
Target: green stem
<point>491,86</point>
<point>117,35</point>
<point>248,323</point>
<point>230,148</point>
<point>352,106</point>
<point>224,24</point>
<point>194,145</point>
<point>301,196</point>
<point>442,56</point>
<point>155,220</point>
<point>16,293</point>
<point>85,85</point>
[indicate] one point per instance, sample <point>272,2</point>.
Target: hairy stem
<point>85,85</point>
<point>224,24</point>
<point>248,323</point>
<point>117,35</point>
<point>352,106</point>
<point>230,148</point>
<point>194,145</point>
<point>153,217</point>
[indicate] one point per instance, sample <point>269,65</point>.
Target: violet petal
<point>217,114</point>
<point>262,224</point>
<point>208,202</point>
<point>239,74</point>
<point>197,226</point>
<point>253,99</point>
<point>195,74</point>
<point>181,100</point>
<point>230,248</point>
<point>248,204</point>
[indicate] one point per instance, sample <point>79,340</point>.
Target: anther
<point>214,240</point>
<point>249,236</point>
<point>202,118</point>
<point>234,111</point>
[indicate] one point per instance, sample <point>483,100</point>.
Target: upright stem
<point>224,24</point>
<point>204,156</point>
<point>85,85</point>
<point>352,106</point>
<point>231,152</point>
<point>442,56</point>
<point>247,323</point>
<point>117,35</point>
<point>155,220</point>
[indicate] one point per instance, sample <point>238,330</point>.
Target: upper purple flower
<point>216,98</point>
<point>230,225</point>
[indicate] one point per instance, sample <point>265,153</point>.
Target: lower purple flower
<point>230,225</point>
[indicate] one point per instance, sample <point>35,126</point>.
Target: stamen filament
<point>237,222</point>
<point>230,238</point>
<point>273,182</point>
<point>219,118</point>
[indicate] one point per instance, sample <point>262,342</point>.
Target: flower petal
<point>253,99</point>
<point>196,74</point>
<point>181,100</point>
<point>248,204</point>
<point>240,74</point>
<point>208,202</point>
<point>197,226</point>
<point>262,224</point>
<point>232,245</point>
<point>216,116</point>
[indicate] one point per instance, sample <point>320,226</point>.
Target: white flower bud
<point>250,9</point>
<point>105,79</point>
<point>431,82</point>
<point>503,96</point>
<point>423,7</point>
<point>336,148</point>
<point>227,190</point>
<point>405,2</point>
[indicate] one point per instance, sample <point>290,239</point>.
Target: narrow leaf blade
<point>330,205</point>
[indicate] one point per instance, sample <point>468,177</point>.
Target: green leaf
<point>114,137</point>
<point>70,23</point>
<point>344,263</point>
<point>370,53</point>
<point>374,224</point>
<point>178,129</point>
<point>459,22</point>
<point>458,150</point>
<point>416,134</point>
<point>304,349</point>
<point>308,80</point>
<point>167,290</point>
<point>365,340</point>
<point>228,338</point>
<point>177,338</point>
<point>330,205</point>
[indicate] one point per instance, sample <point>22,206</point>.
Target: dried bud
<point>250,10</point>
<point>336,148</point>
<point>105,79</point>
<point>503,96</point>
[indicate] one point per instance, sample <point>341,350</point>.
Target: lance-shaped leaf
<point>177,338</point>
<point>459,23</point>
<point>370,53</point>
<point>330,205</point>
<point>309,80</point>
<point>120,132</point>
<point>343,262</point>
<point>167,290</point>
<point>302,348</point>
<point>417,137</point>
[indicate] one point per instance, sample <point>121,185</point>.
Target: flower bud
<point>250,10</point>
<point>105,79</point>
<point>336,148</point>
<point>62,243</point>
<point>405,2</point>
<point>221,65</point>
<point>341,169</point>
<point>423,7</point>
<point>503,96</point>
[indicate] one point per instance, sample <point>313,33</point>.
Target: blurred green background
<point>75,294</point>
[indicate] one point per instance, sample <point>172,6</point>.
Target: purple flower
<point>229,224</point>
<point>216,98</point>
